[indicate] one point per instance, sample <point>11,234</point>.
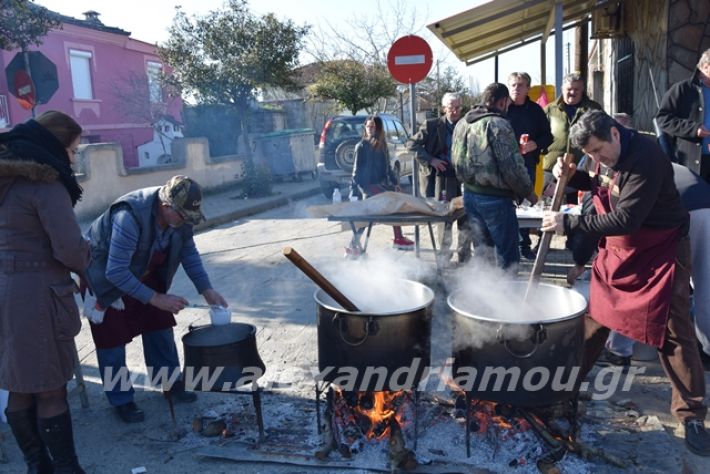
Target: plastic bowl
<point>220,315</point>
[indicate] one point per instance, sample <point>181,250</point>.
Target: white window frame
<point>155,91</point>
<point>80,62</point>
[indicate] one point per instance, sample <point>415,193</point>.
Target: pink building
<point>108,81</point>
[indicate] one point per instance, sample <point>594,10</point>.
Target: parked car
<point>337,149</point>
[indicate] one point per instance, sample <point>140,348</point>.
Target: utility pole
<point>438,91</point>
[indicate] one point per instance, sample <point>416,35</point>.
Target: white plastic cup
<point>219,315</point>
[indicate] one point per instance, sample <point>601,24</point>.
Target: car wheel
<point>327,188</point>
<point>345,154</point>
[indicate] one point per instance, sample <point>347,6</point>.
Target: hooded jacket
<point>486,156</point>
<point>40,243</point>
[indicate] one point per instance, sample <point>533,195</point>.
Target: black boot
<point>24,429</point>
<point>56,432</point>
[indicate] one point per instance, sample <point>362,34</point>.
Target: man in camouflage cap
<point>185,196</point>
<point>137,246</point>
<point>487,160</point>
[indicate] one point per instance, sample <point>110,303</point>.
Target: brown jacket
<point>40,243</point>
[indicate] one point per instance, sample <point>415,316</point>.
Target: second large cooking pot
<point>510,352</point>
<point>383,349</point>
<point>221,358</point>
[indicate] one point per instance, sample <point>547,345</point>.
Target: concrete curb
<point>256,206</point>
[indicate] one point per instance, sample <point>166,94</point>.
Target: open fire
<point>354,419</point>
<point>373,412</point>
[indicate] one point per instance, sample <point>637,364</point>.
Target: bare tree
<point>368,38</point>
<point>145,99</point>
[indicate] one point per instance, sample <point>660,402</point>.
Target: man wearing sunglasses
<point>137,246</point>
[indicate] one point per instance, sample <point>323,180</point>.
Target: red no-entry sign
<point>409,59</point>
<point>24,89</point>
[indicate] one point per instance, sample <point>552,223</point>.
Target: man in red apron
<point>137,245</point>
<point>640,278</point>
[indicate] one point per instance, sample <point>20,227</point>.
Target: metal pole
<point>28,68</point>
<point>558,47</point>
<point>415,163</point>
<point>401,107</point>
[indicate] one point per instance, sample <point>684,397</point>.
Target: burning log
<point>345,430</point>
<point>570,444</point>
<point>400,457</point>
<point>328,438</point>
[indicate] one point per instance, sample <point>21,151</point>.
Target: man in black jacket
<point>685,117</point>
<point>432,148</point>
<point>528,119</point>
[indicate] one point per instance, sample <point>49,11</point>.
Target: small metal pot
<point>221,358</point>
<point>530,362</point>
<point>361,343</point>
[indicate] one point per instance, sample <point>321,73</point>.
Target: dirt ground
<point>634,425</point>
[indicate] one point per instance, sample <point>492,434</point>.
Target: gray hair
<point>520,75</point>
<point>449,96</point>
<point>594,123</point>
<point>704,58</point>
<point>573,77</point>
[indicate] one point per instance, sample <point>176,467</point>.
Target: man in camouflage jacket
<point>487,160</point>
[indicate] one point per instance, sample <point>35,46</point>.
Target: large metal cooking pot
<point>221,358</point>
<point>531,354</point>
<point>355,346</point>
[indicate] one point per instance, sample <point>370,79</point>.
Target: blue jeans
<point>620,344</point>
<point>159,352</point>
<point>493,226</point>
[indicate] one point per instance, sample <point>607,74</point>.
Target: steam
<point>375,284</point>
<point>491,304</point>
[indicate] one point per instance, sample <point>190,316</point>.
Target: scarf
<point>32,142</point>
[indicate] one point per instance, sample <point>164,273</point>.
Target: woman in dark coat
<point>40,244</point>
<point>372,174</point>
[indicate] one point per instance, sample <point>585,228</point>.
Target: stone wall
<point>669,36</point>
<point>646,23</point>
<point>104,176</point>
<point>688,37</point>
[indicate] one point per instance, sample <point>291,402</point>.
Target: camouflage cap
<point>185,196</point>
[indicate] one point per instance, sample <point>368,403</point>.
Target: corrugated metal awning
<point>503,25</point>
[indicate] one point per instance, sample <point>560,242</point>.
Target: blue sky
<point>148,20</point>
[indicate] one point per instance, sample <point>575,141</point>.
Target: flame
<point>373,411</point>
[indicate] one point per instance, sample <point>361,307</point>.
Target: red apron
<point>120,327</point>
<point>632,280</point>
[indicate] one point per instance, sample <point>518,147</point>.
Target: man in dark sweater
<point>640,278</point>
<point>685,116</point>
<point>528,119</point>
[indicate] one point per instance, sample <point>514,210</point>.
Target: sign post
<point>409,61</point>
<point>32,78</point>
